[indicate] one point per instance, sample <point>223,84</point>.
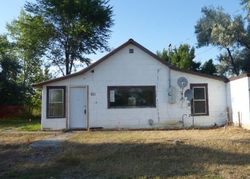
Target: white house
<point>132,88</point>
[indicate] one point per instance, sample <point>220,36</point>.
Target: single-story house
<point>133,88</point>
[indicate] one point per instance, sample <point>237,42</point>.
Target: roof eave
<point>239,77</point>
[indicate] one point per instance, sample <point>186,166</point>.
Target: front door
<point>78,107</point>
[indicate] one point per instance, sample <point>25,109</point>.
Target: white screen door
<point>78,107</point>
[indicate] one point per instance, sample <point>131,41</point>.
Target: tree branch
<point>57,64</point>
<point>235,69</point>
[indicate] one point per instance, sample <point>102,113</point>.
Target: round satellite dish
<point>182,82</point>
<point>188,94</point>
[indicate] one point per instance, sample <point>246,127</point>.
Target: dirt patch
<point>51,142</point>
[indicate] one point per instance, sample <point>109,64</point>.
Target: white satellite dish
<point>188,94</point>
<point>172,95</point>
<point>182,82</point>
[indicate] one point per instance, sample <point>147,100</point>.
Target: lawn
<point>20,125</point>
<point>215,153</point>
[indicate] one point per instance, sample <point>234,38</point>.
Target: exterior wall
<point>138,68</point>
<point>238,93</point>
<point>217,102</point>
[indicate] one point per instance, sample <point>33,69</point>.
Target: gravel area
<point>51,142</point>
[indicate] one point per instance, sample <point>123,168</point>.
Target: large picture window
<point>131,96</point>
<point>200,99</point>
<point>56,102</point>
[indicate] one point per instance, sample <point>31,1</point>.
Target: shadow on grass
<point>123,160</point>
<point>21,161</point>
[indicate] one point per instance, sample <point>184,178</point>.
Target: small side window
<point>56,102</point>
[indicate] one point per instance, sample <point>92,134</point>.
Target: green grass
<point>20,125</point>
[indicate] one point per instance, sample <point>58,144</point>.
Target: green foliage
<point>246,5</point>
<point>76,28</point>
<point>245,54</point>
<point>209,68</point>
<point>181,57</point>
<point>220,29</point>
<point>49,32</point>
<point>29,37</point>
<point>11,91</point>
<point>20,125</point>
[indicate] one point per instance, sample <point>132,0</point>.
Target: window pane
<point>132,96</point>
<point>199,107</point>
<point>199,93</point>
<point>56,110</point>
<point>55,95</point>
<point>55,102</point>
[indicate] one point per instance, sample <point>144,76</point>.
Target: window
<point>200,99</point>
<point>131,96</point>
<point>56,102</point>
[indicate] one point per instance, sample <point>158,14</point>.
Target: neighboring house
<point>132,88</point>
<point>239,100</point>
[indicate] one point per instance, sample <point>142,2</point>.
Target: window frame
<point>64,102</point>
<point>201,85</point>
<point>128,87</point>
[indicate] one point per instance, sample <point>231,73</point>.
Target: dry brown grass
<point>22,137</point>
<point>17,155</point>
<point>215,153</point>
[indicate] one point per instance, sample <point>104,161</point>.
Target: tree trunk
<point>235,69</point>
<point>67,63</point>
<point>71,64</point>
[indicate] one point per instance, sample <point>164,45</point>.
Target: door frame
<point>87,105</point>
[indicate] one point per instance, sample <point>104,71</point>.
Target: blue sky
<point>153,23</point>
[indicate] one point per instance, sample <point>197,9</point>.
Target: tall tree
<point>181,57</point>
<point>30,36</point>
<point>228,33</point>
<point>11,91</point>
<point>76,28</point>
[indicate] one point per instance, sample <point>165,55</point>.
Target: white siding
<point>238,93</point>
<point>139,68</point>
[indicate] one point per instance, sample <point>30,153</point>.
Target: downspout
<point>169,71</point>
<point>169,77</point>
<point>88,128</point>
<point>68,103</point>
